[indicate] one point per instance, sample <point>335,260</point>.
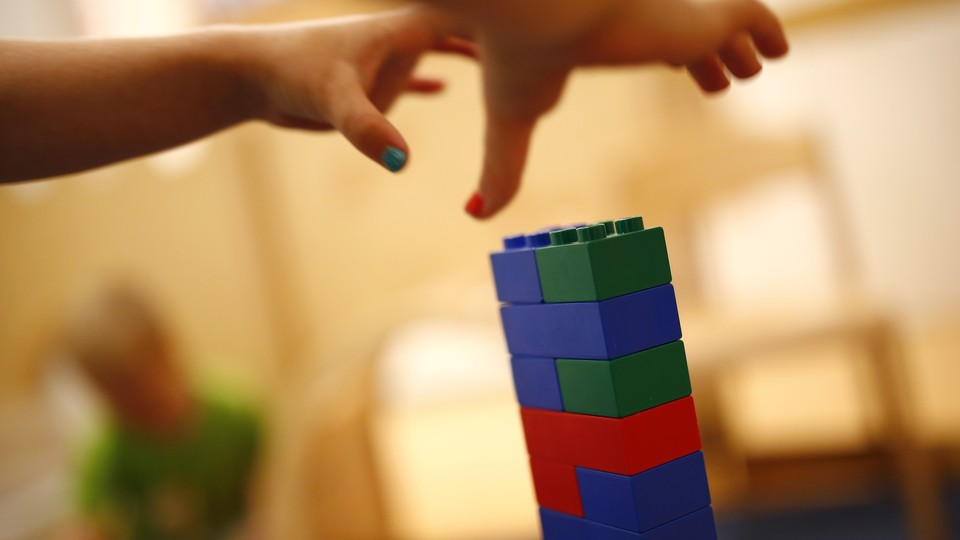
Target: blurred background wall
<point>811,217</point>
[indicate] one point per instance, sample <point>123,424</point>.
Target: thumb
<point>367,129</point>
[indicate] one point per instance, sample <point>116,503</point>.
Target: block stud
<point>609,226</point>
<point>538,240</point>
<point>592,232</point>
<point>563,237</point>
<point>629,225</point>
<point>518,241</point>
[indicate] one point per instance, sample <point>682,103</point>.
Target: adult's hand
<point>529,48</point>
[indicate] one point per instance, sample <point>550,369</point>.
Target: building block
<point>646,500</point>
<point>593,330</point>
<point>559,526</point>
<point>535,380</point>
<point>625,446</point>
<point>625,385</point>
<point>515,268</point>
<point>697,525</point>
<point>556,486</point>
<point>596,265</point>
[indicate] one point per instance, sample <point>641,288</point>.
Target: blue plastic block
<point>515,268</point>
<point>697,525</point>
<point>536,382</point>
<point>560,526</point>
<point>647,500</point>
<point>593,330</point>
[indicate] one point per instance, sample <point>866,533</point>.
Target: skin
<point>126,353</point>
<point>529,49</point>
<point>95,102</point>
<point>98,102</point>
<point>151,396</point>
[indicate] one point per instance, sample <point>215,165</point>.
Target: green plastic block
<point>598,261</point>
<point>626,385</point>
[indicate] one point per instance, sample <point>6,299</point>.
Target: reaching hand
<point>369,62</point>
<point>72,105</point>
<point>525,72</point>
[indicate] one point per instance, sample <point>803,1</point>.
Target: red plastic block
<point>556,486</point>
<point>628,445</point>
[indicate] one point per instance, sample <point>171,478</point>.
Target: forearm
<point>74,105</point>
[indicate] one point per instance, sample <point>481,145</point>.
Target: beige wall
<point>183,234</point>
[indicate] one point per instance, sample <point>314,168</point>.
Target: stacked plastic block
<point>591,322</point>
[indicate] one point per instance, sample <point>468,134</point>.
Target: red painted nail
<point>474,205</point>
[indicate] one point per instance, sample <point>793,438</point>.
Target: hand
<point>525,71</point>
<point>101,101</point>
<point>345,73</point>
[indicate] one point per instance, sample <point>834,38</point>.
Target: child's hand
<point>72,105</point>
<point>525,71</point>
<point>345,73</point>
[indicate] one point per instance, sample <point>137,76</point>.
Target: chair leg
<point>919,483</point>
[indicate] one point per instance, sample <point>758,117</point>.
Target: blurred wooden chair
<point>715,161</point>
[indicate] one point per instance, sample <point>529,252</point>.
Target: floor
<point>882,520</point>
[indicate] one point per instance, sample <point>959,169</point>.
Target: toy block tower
<point>591,322</point>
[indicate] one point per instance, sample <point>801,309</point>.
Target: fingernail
<point>475,205</point>
<point>393,158</point>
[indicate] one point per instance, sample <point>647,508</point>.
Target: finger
<point>440,26</point>
<point>517,92</point>
<point>768,34</point>
<point>293,122</point>
<point>425,85</point>
<point>771,44</point>
<point>740,58</point>
<point>709,74</point>
<point>507,142</point>
<point>769,37</point>
<point>460,46</point>
<point>353,115</point>
<point>392,80</point>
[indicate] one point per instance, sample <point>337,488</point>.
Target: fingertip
<point>475,206</point>
<point>394,159</point>
<point>368,130</point>
<point>426,85</point>
<point>458,46</point>
<point>739,57</point>
<point>723,86</point>
<point>719,87</point>
<point>379,140</point>
<point>768,34</point>
<point>772,45</point>
<point>709,74</point>
<point>507,141</point>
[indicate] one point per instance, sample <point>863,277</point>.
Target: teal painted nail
<point>394,158</point>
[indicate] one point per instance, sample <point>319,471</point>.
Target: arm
<point>73,105</point>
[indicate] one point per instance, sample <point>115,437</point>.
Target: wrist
<point>230,53</point>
